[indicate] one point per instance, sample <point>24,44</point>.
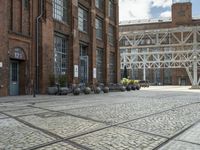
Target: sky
<point>148,9</point>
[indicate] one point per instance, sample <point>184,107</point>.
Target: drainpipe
<point>36,84</point>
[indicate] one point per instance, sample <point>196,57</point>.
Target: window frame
<point>61,53</point>
<point>99,4</point>
<point>60,10</point>
<point>83,19</point>
<point>99,28</point>
<point>111,32</point>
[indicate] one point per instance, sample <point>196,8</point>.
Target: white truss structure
<point>162,48</point>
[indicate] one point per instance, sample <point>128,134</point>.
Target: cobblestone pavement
<point>155,118</point>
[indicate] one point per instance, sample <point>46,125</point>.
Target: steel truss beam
<point>163,48</point>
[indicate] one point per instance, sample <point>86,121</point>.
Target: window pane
<point>99,28</point>
<point>60,10</point>
<point>99,65</point>
<point>60,55</point>
<point>82,19</point>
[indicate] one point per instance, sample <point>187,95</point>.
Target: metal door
<point>14,78</point>
<point>83,69</point>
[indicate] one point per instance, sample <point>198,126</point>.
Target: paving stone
<point>64,126</point>
<point>59,146</point>
<point>28,111</point>
<point>12,108</point>
<point>191,135</point>
<point>16,136</point>
<point>168,123</point>
<point>119,139</point>
<point>2,116</point>
<point>178,145</point>
<point>125,111</point>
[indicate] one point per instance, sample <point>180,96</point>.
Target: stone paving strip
<point>22,112</point>
<point>61,124</point>
<point>192,135</point>
<point>3,116</point>
<point>116,138</point>
<point>17,136</point>
<point>59,146</point>
<point>179,145</point>
<point>168,123</point>
<point>121,112</point>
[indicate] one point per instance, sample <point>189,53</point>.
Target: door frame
<point>11,93</point>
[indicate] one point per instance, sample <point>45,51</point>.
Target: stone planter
<point>97,90</point>
<point>128,88</point>
<point>133,87</point>
<point>87,90</point>
<point>137,87</point>
<point>52,90</point>
<point>76,91</point>
<point>122,89</point>
<point>64,90</point>
<point>106,89</point>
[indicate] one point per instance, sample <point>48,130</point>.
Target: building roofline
<point>151,21</point>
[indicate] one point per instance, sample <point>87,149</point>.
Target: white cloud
<point>139,9</point>
<point>161,3</point>
<point>134,9</point>
<point>165,14</point>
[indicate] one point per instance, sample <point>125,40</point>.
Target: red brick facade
<point>18,31</point>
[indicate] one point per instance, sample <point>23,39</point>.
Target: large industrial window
<point>60,55</point>
<point>99,4</point>
<point>111,9</point>
<point>99,65</point>
<point>82,19</point>
<point>60,10</point>
<point>111,35</point>
<point>99,28</point>
<point>112,67</point>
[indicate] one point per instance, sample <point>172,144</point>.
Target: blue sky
<point>147,9</point>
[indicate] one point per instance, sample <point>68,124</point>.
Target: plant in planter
<point>62,80</point>
<point>52,88</point>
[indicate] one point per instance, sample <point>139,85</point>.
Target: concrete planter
<point>76,91</point>
<point>87,90</point>
<point>128,88</point>
<point>106,89</point>
<point>97,90</point>
<point>122,89</point>
<point>52,90</point>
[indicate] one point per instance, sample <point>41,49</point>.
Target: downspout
<point>36,88</point>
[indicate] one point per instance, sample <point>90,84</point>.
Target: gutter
<point>36,87</point>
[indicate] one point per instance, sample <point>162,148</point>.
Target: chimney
<point>181,12</point>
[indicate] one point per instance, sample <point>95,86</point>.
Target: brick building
<point>162,51</point>
<point>75,38</point>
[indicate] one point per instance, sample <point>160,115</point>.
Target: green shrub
<point>62,80</point>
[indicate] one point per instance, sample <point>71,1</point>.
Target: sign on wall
<point>76,71</point>
<point>94,73</point>
<point>17,53</point>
